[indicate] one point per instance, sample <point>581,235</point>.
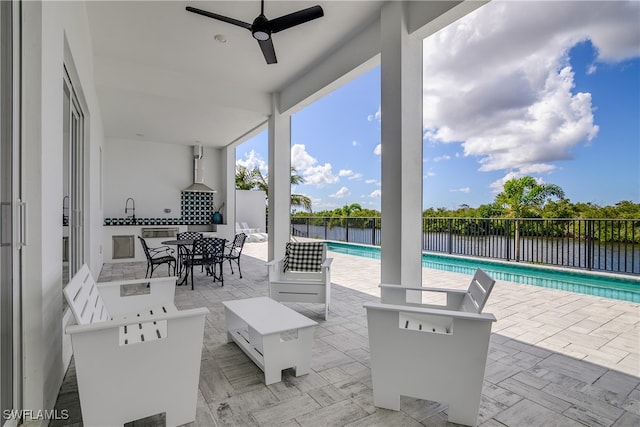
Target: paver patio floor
<point>555,358</point>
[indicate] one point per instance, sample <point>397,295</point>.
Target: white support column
<point>279,180</point>
<point>228,183</point>
<point>401,107</point>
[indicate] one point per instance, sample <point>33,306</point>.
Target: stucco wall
<point>54,34</point>
<point>153,174</point>
<point>251,208</point>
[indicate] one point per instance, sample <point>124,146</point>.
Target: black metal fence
<point>355,230</point>
<point>609,245</point>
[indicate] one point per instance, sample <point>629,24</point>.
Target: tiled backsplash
<point>145,221</point>
<point>195,209</point>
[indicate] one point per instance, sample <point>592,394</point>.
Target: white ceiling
<point>162,77</point>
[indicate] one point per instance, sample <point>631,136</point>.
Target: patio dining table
<point>186,244</point>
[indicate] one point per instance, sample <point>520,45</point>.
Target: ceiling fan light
<point>261,35</point>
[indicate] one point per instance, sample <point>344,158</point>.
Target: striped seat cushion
<point>303,256</point>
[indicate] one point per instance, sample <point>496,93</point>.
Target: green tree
<point>525,198</point>
<point>559,209</point>
<point>348,210</point>
<point>245,179</point>
<point>300,200</point>
<point>250,179</point>
<point>492,210</point>
<point>340,215</point>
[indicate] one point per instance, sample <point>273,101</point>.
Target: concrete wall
<point>251,208</point>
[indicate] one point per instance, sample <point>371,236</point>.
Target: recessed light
<point>220,38</point>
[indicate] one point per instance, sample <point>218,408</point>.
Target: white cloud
<point>300,159</point>
<point>253,160</point>
<point>499,81</point>
<point>319,175</point>
<point>376,116</point>
<point>341,193</point>
<point>465,190</point>
<point>307,166</point>
<point>441,158</point>
<point>378,150</point>
<point>349,174</point>
<point>371,181</point>
<point>376,193</point>
<point>355,143</point>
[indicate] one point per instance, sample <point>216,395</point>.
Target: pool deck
<point>555,358</point>
<point>598,330</point>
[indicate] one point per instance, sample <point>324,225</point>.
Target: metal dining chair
<point>187,235</point>
<point>158,256</point>
<point>235,250</point>
<point>207,252</point>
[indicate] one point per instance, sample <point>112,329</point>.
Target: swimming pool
<point>601,285</point>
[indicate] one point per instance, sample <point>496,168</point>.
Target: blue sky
<point>547,89</point>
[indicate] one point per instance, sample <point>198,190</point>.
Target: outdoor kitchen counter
<point>120,242</point>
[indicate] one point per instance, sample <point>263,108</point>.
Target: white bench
<point>272,335</point>
<point>137,355</point>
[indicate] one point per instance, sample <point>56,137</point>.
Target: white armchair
<point>432,352</point>
<point>135,356</point>
<point>303,275</point>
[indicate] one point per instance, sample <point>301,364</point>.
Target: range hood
<point>198,185</point>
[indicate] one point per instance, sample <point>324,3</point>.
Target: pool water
<point>601,285</point>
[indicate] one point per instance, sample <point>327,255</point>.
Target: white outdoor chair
<point>431,352</point>
<point>239,229</point>
<point>254,234</point>
<point>135,356</point>
<point>303,275</point>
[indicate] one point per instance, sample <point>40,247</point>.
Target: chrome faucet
<point>132,209</point>
<point>65,210</point>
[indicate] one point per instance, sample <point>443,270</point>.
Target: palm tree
<point>525,198</point>
<point>300,200</point>
<point>245,179</point>
<point>339,215</point>
<point>248,180</point>
<point>347,210</point>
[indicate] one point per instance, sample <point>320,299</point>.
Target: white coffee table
<point>271,334</point>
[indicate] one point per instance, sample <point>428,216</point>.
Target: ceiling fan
<point>262,28</point>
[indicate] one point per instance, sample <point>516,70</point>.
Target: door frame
<point>12,211</point>
<point>78,179</point>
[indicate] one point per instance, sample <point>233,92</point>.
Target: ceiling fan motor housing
<point>260,28</point>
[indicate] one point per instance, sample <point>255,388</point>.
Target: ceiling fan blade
<point>295,18</point>
<point>219,17</point>
<point>268,51</point>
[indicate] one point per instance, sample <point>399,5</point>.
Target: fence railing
<point>609,245</point>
